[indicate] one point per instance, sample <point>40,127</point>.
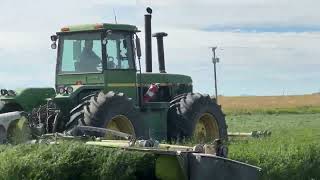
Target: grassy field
<point>270,104</point>
<point>292,151</point>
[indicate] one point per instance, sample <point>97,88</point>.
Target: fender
<point>67,101</point>
<point>26,99</point>
<point>78,89</point>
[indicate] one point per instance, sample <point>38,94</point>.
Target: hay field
<point>271,104</point>
<point>292,152</point>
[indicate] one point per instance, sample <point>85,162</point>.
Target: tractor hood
<point>165,79</point>
<point>28,98</point>
<point>98,79</point>
<point>79,79</point>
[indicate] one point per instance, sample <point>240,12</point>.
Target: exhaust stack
<point>148,43</point>
<point>159,36</point>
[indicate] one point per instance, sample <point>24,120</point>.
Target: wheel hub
<point>122,124</point>
<point>206,128</point>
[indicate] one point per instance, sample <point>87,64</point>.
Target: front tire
<point>113,111</point>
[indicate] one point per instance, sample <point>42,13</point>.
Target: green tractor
<point>99,83</point>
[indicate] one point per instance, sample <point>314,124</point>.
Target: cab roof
<point>99,26</point>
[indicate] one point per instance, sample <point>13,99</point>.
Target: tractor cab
<point>95,56</point>
<point>83,52</point>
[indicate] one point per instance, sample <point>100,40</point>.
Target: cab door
<point>119,64</point>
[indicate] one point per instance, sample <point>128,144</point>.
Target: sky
<point>266,47</point>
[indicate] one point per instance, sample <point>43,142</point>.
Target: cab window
<point>119,51</point>
<point>80,53</point>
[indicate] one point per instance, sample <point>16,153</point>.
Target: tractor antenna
<point>115,16</point>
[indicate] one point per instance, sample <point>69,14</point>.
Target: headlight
<point>12,93</point>
<point>61,90</point>
<point>4,92</point>
<point>54,45</point>
<point>69,90</point>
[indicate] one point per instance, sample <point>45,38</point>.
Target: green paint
<point>168,168</point>
<point>121,78</point>
<point>166,78</point>
<point>29,97</point>
<point>155,120</point>
<point>86,79</point>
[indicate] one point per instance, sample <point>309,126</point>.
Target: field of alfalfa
<point>291,152</point>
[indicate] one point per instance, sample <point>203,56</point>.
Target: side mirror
<point>138,47</point>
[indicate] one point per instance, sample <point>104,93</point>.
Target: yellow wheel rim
<point>120,123</point>
<point>206,128</point>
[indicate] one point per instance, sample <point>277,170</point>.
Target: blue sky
<point>266,47</point>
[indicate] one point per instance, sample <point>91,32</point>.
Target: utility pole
<point>215,60</point>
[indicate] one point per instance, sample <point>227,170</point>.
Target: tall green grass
<point>292,151</point>
<point>73,161</point>
<point>279,159</point>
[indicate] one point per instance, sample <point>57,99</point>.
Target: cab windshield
<point>83,52</point>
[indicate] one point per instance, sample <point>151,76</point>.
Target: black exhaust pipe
<point>148,43</point>
<point>159,36</point>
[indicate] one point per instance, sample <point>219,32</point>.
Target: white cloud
<point>203,13</point>
<point>115,3</point>
<point>27,25</point>
<point>244,48</point>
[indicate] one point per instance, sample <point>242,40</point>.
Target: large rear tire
<point>197,117</point>
<point>112,111</point>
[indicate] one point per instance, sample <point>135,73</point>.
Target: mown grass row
<point>73,161</point>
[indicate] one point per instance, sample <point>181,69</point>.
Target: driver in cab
<point>89,60</point>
